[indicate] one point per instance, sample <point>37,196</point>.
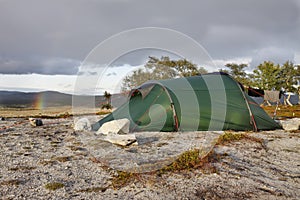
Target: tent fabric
<point>207,102</point>
<point>253,92</point>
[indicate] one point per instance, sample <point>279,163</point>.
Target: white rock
<point>35,122</point>
<point>290,124</point>
<point>83,124</point>
<point>123,140</point>
<point>120,126</point>
<point>32,121</point>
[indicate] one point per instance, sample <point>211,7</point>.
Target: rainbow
<point>39,101</point>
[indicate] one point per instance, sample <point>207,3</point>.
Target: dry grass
<point>50,112</point>
<point>26,112</point>
<point>65,111</point>
<point>187,161</point>
<point>11,182</point>
<point>283,111</point>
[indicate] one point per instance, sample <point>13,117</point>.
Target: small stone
<point>290,124</point>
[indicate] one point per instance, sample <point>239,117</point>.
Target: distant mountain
<point>50,99</point>
<point>32,99</point>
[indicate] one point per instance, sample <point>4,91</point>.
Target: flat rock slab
<point>32,157</point>
<point>123,140</point>
<point>154,150</point>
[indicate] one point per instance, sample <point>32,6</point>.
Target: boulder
<point>82,124</point>
<point>290,124</point>
<point>120,127</point>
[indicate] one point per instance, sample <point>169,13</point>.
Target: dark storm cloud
<point>70,29</point>
<point>38,65</point>
<point>138,57</point>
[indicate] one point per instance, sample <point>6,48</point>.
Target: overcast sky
<point>48,40</point>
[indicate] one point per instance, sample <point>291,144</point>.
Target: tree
<point>138,77</point>
<point>237,71</point>
<point>163,68</point>
<point>158,69</point>
<point>224,71</point>
<point>202,70</point>
<point>288,78</point>
<point>266,76</point>
<point>297,77</point>
<point>107,97</point>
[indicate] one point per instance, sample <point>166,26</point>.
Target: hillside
<point>13,99</point>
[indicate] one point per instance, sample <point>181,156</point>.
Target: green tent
<point>211,101</point>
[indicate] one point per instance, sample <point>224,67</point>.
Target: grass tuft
<point>103,112</point>
<point>186,161</point>
<point>123,178</point>
<point>228,137</point>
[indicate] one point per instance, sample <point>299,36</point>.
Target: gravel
<point>33,157</point>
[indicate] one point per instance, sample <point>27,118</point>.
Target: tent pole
<point>175,118</point>
<point>275,111</point>
<point>248,107</point>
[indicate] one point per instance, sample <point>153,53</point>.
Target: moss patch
<point>187,160</point>
<point>228,137</point>
<point>123,178</point>
<point>54,186</point>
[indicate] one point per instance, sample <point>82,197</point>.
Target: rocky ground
<point>54,162</point>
